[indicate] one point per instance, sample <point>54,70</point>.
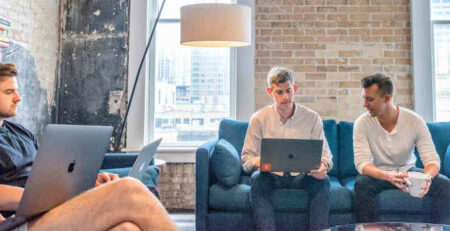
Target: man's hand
<point>320,173</point>
<point>426,187</point>
<point>398,180</point>
<point>105,177</point>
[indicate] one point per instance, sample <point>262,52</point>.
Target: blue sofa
<point>227,207</point>
<point>121,163</point>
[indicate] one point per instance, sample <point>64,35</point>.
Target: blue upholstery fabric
<point>234,132</point>
<point>149,177</point>
<point>226,163</point>
<point>440,133</point>
<point>349,182</point>
<point>346,163</point>
<point>232,199</point>
<point>340,198</point>
<point>238,198</point>
<point>447,162</point>
<point>330,130</point>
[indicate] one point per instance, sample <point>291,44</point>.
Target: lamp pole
<point>137,76</point>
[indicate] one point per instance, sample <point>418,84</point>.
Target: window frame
<point>141,116</point>
<point>423,59</point>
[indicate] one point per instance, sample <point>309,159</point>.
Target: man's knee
<point>363,184</point>
<point>128,186</point>
<point>126,226</point>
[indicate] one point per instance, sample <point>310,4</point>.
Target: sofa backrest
<point>440,133</point>
<point>345,149</point>
<point>331,133</point>
<point>234,132</point>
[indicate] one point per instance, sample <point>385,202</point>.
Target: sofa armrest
<point>202,179</point>
<point>447,162</point>
<point>120,160</point>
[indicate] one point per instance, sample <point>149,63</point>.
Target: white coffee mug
<point>415,181</point>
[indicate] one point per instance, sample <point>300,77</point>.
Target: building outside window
<point>193,84</point>
<point>440,26</point>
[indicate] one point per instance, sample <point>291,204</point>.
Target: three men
<point>285,119</point>
<point>383,140</point>
<point>106,207</point>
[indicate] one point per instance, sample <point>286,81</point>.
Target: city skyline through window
<point>192,84</point>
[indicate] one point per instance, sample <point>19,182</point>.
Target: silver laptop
<point>144,158</point>
<point>67,163</point>
<point>290,155</point>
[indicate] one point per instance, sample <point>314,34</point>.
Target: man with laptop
<point>106,207</point>
<point>383,141</point>
<point>287,120</point>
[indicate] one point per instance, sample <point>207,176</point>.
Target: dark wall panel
<point>94,60</point>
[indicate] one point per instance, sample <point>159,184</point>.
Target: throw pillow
<point>226,163</point>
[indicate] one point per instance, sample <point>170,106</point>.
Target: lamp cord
<point>137,76</point>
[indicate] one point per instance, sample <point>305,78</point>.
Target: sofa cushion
<point>234,132</point>
<point>226,163</point>
<point>340,198</point>
<point>149,177</point>
<point>238,198</point>
<point>396,202</point>
<point>346,163</point>
<point>349,182</point>
<point>234,198</point>
<point>330,130</point>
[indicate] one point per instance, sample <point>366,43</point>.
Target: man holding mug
<point>383,141</point>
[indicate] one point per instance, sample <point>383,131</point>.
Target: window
<point>440,26</point>
<point>142,119</point>
<point>193,83</point>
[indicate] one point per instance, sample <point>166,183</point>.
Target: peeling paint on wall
<point>94,62</point>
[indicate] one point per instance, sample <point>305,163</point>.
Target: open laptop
<point>67,163</point>
<point>144,158</point>
<point>290,155</point>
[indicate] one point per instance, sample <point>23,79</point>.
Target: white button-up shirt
<point>267,123</point>
<point>392,150</point>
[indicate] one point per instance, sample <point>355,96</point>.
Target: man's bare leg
<point>106,207</point>
<point>126,226</point>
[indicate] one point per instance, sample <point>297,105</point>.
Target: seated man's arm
<point>252,146</point>
<point>10,197</point>
<point>327,158</point>
<point>426,149</point>
<point>363,156</point>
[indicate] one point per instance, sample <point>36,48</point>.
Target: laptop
<point>67,164</point>
<point>144,158</point>
<point>290,155</point>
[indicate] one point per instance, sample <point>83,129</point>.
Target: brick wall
<point>330,45</point>
<point>176,185</point>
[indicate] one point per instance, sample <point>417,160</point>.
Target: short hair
<point>279,75</point>
<point>8,70</point>
<point>384,83</point>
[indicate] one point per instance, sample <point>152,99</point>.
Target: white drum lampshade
<point>215,25</point>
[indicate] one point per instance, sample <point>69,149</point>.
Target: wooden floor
<point>184,221</point>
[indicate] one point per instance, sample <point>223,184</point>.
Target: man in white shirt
<point>383,140</point>
<point>285,119</point>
